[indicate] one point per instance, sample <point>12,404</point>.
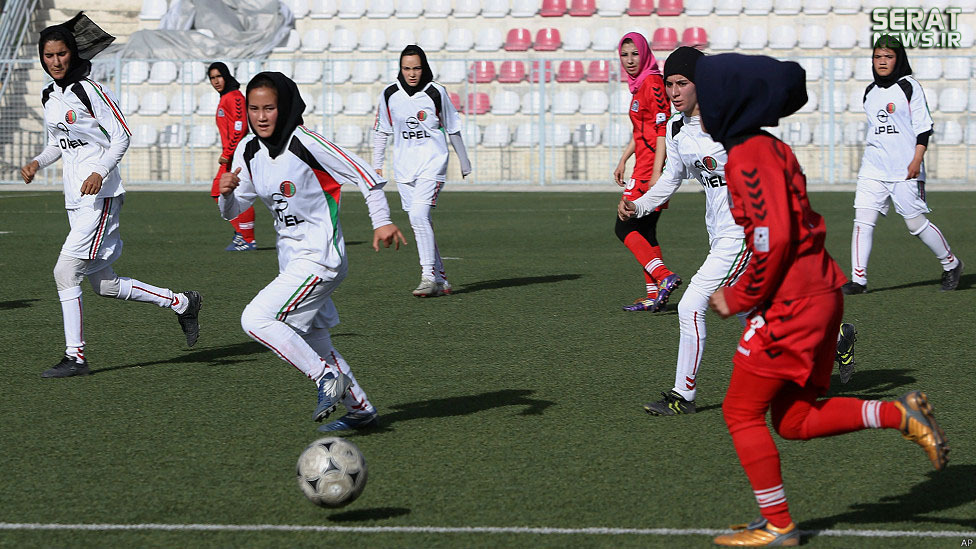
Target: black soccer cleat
<point>853,288</point>
<point>671,405</point>
<point>845,351</point>
<point>188,318</point>
<point>68,367</point>
<point>950,279</point>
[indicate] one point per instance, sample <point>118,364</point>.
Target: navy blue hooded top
<point>739,94</point>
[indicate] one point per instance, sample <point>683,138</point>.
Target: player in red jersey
<point>232,125</point>
<point>649,112</point>
<point>791,288</point>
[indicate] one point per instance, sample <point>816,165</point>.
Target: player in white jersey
<point>418,113</point>
<point>298,175</point>
<point>86,129</point>
<point>692,154</point>
<point>899,127</point>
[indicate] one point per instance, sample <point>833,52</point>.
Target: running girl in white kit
<point>418,113</point>
<point>298,175</point>
<point>899,126</point>
<point>86,129</point>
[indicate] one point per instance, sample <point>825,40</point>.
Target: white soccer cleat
<point>427,288</point>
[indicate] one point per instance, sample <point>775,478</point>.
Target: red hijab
<point>648,64</point>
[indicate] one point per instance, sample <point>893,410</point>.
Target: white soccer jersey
<point>897,115</point>
<point>418,124</point>
<point>301,188</point>
<point>691,153</point>
<point>85,126</point>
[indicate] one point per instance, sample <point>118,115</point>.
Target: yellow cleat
<point>918,425</point>
<point>760,533</point>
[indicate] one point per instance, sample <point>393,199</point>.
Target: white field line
<point>468,530</point>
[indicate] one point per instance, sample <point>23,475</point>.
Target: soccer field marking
<point>593,531</point>
<point>6,232</point>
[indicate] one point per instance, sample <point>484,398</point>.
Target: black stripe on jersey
<point>906,87</point>
<point>867,91</point>
<point>79,90</point>
<point>46,94</point>
<point>298,149</point>
<point>387,94</point>
<point>676,127</point>
<point>250,150</point>
<point>435,96</point>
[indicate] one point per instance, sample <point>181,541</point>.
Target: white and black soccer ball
<point>331,472</point>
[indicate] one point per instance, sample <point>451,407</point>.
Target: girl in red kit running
<point>232,125</point>
<point>649,112</point>
<point>791,289</point>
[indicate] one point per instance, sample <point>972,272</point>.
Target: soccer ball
<point>331,472</point>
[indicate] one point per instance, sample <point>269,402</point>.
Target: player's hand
<point>29,171</point>
<point>223,160</point>
<point>719,305</point>
<point>380,172</point>
<point>618,174</point>
<point>92,185</point>
<point>388,234</point>
<point>914,169</point>
<point>228,182</point>
<point>626,209</point>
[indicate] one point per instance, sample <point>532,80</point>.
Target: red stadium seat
<point>694,37</point>
<point>641,7</point>
<point>664,39</point>
<point>668,8</point>
<point>540,71</point>
<point>553,8</point>
<point>548,40</point>
<point>582,8</point>
<point>570,71</point>
<point>478,103</point>
<point>598,71</point>
<point>518,40</point>
<point>482,72</point>
<point>455,100</point>
<point>511,72</point>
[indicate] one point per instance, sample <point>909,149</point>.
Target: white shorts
<point>95,231</point>
<point>424,191</point>
<point>726,261</point>
<point>301,295</point>
<point>908,196</point>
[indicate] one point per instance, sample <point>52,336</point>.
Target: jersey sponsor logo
<point>414,131</point>
<point>660,118</point>
<point>71,143</point>
<point>422,115</point>
<point>635,106</point>
<point>883,119</point>
<point>710,163</point>
<point>760,239</point>
<point>281,206</point>
<point>287,188</point>
<point>220,112</point>
<point>890,108</point>
<point>238,126</point>
<point>70,117</point>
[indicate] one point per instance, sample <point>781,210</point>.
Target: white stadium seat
<point>366,72</point>
<point>399,39</point>
<point>465,9</point>
<point>787,7</point>
<point>329,104</point>
<point>723,38</point>
<point>869,5</point>
<point>618,135</point>
<point>797,134</point>
<point>390,70</point>
<point>310,100</point>
<point>308,71</point>
<point>526,135</point>
<point>822,136</point>
<point>437,9</point>
<point>299,8</point>
<point>246,70</point>
<point>496,135</point>
<point>839,98</point>
<point>315,41</point>
<point>322,9</point>
<point>971,132</point>
<point>594,102</point>
<point>957,68</point>
<point>163,72</point>
<point>753,37</point>
<point>855,100</point>
<point>972,99</point>
<point>587,135</point>
<point>931,100</point>
<point>203,136</point>
<point>842,37</point>
<point>207,103</point>
<point>864,37</point>
<point>813,67</point>
<point>182,103</point>
<point>842,68</point>
<point>533,103</point>
<point>135,72</point>
<point>493,9</point>
<point>143,135</point>
<point>816,7</point>
<point>284,66</point>
<point>811,104</point>
<point>172,136</point>
<point>863,70</point>
<point>576,39</point>
<point>505,103</point>
<point>952,100</point>
<point>782,37</point>
<point>605,39</point>
<point>372,40</point>
<point>130,102</point>
<point>359,103</point>
<point>431,40</point>
<point>289,44</point>
<point>352,9</point>
<point>349,136</point>
<point>847,7</point>
<point>728,7</point>
<point>620,102</point>
<point>813,36</point>
<point>926,68</point>
<point>489,39</point>
<point>557,135</point>
<point>337,72</point>
<point>152,103</point>
<point>519,8</point>
<point>855,132</point>
<point>153,10</point>
<point>409,9</point>
<point>343,40</point>
<point>472,134</point>
<point>379,9</point>
<point>565,102</point>
<point>948,132</point>
<point>611,8</point>
<point>193,72</point>
<point>453,71</point>
<point>966,32</point>
<point>758,7</point>
<point>699,7</point>
<point>459,40</point>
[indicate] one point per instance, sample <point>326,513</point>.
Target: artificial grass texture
<point>515,402</point>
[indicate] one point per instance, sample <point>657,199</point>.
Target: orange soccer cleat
<point>919,426</point>
<point>760,533</point>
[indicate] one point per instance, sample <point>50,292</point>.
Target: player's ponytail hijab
<point>648,64</point>
<point>426,74</point>
<point>739,94</point>
<point>290,109</point>
<point>230,83</point>
<point>902,68</point>
<point>84,40</point>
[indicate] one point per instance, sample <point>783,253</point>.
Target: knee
<point>254,319</point>
<point>917,224</point>
<point>692,307</point>
<point>622,229</point>
<point>106,286</point>
<point>68,273</point>
<point>790,426</point>
<point>418,217</point>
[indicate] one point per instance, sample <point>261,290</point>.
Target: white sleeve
<point>458,143</point>
<point>383,122</point>
<point>244,195</point>
<point>346,167</point>
<point>669,182</point>
<point>109,117</point>
<point>921,118</point>
<point>51,152</point>
<point>379,149</point>
<point>450,118</point>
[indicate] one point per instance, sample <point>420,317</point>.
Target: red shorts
<point>636,188</point>
<point>794,340</point>
<point>215,188</point>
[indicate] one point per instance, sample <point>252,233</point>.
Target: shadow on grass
<point>513,282</point>
<point>942,491</point>
<point>214,356</point>
<point>873,384</point>
<point>965,281</point>
<point>376,513</point>
<point>16,304</point>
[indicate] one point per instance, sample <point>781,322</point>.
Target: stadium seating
<point>349,136</point>
<point>606,39</point>
<point>612,8</point>
<point>664,39</point>
<point>496,135</point>
<point>182,103</point>
<point>437,9</point>
<point>459,40</point>
<point>863,71</point>
<point>728,7</point>
<point>952,100</point>
<point>505,103</point>
<point>797,134</point>
<point>152,103</point>
<point>143,136</point>
<point>343,40</point>
<point>841,67</point>
<point>724,38</point>
<point>315,41</point>
<point>540,71</point>
<point>557,135</point>
<point>855,100</point>
<point>352,9</point>
<point>135,72</point>
<point>586,135</point>
<point>477,103</point>
<point>618,135</point>
<point>757,7</point>
<point>948,132</point>
<point>203,136</point>
<point>670,8</point>
<point>640,8</point>
<point>957,68</point>
<point>526,135</point>
<point>822,136</point>
<point>453,71</point>
<point>926,68</point>
<point>813,37</point>
<point>163,72</point>
<point>310,100</point>
<point>299,8</point>
<point>966,35</point>
<point>971,132</point>
<point>553,8</point>
<point>847,7</point>
<point>284,66</point>
<point>842,37</point>
<point>620,101</point>
<point>399,39</point>
<point>816,7</point>
<point>337,72</point>
<point>172,136</point>
<point>813,68</point>
<point>787,7</point>
<point>308,71</point>
<point>518,40</point>
<point>511,72</point>
<point>782,37</point>
<point>577,39</point>
<point>598,71</point>
<point>932,100</point>
<point>547,40</point>
<point>193,72</point>
<point>482,72</point>
<point>565,102</point>
<point>489,39</point>
<point>289,44</point>
<point>699,7</point>
<point>582,8</point>
<point>472,134</point>
<point>753,37</point>
<point>323,130</point>
<point>322,9</point>
<point>365,72</point>
<point>694,37</point>
<point>431,40</point>
<point>569,71</point>
<point>520,8</point>
<point>594,102</point>
<point>358,104</point>
<point>811,104</point>
<point>836,101</point>
<point>247,69</point>
<point>153,10</point>
<point>534,102</point>
<point>409,9</point>
<point>129,102</point>
<point>466,9</point>
<point>372,40</point>
<point>329,104</point>
<point>496,9</point>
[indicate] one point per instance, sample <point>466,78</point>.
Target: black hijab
<point>738,94</point>
<point>902,68</point>
<point>426,75</point>
<point>290,109</point>
<point>682,61</point>
<point>230,83</point>
<point>84,40</point>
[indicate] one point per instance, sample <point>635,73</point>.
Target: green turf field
<point>514,403</point>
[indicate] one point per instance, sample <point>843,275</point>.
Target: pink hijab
<point>648,64</point>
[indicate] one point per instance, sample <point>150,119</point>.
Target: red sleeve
<point>657,108</point>
<point>761,204</point>
<point>234,122</point>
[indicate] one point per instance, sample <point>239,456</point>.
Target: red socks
<point>244,224</point>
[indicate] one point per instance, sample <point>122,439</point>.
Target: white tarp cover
<point>211,29</point>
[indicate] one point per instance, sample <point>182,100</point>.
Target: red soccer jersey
<point>649,112</point>
<point>768,193</point>
<point>231,122</point>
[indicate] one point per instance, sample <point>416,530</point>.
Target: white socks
<point>861,240</point>
<point>691,341</point>
<point>71,312</point>
<point>355,399</point>
<point>423,234</point>
<point>933,238</point>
